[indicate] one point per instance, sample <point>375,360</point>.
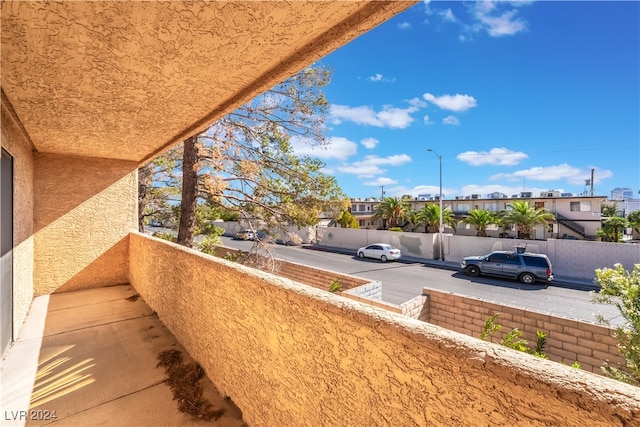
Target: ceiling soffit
<point>129,79</point>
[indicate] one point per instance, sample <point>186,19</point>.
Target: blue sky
<point>515,96</point>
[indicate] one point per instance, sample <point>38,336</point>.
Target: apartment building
<point>576,216</point>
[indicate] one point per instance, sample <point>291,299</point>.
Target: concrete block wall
<point>372,291</point>
<point>306,234</point>
<point>568,340</point>
<point>317,278</point>
<point>571,258</point>
<point>458,247</point>
<point>410,244</point>
<point>374,303</point>
<point>417,308</point>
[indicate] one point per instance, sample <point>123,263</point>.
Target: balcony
<point>90,357</point>
<point>284,353</point>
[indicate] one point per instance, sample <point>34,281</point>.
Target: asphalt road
<point>403,281</point>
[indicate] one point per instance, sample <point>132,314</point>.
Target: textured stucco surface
<point>124,79</point>
<point>290,354</point>
<point>14,142</point>
<point>84,209</point>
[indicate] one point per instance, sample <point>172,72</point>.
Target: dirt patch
<point>183,381</point>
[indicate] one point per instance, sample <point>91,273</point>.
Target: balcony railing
<point>289,354</point>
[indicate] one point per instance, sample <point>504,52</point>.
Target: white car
<point>245,235</point>
<point>380,251</point>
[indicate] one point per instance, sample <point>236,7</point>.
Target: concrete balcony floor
<point>91,356</point>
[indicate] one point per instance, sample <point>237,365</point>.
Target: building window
<point>493,207</point>
<point>464,207</point>
<point>361,223</point>
<point>360,208</point>
<point>580,206</point>
<point>538,205</point>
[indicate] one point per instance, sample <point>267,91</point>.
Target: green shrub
<point>490,326</point>
<point>396,229</point>
<point>231,256</point>
<point>208,244</point>
<point>514,339</point>
<point>335,286</point>
<point>166,236</point>
<point>621,288</point>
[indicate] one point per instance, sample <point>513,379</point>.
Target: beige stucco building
<point>91,90</point>
<point>575,216</point>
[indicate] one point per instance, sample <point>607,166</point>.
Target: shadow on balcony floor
<point>90,358</point>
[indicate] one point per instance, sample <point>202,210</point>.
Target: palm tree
<point>612,229</point>
<point>634,220</point>
<point>480,219</point>
<point>525,217</point>
<point>391,209</point>
<point>430,216</point>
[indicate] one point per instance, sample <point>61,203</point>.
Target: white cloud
<point>455,102</point>
<point>447,15</point>
<point>404,25</point>
<point>362,171</point>
<point>468,190</point>
<point>336,147</point>
<point>503,25</point>
<point>495,156</point>
<point>571,174</point>
<point>427,120</point>
<point>370,143</point>
<point>451,120</point>
<point>417,103</point>
<point>381,181</point>
<point>370,166</point>
<point>396,117</point>
<point>381,78</point>
<point>391,117</point>
<point>394,160</point>
<point>496,18</point>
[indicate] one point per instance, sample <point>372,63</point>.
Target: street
<point>403,281</point>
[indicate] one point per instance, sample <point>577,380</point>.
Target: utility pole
<point>592,171</point>
<point>382,192</point>
<point>441,228</point>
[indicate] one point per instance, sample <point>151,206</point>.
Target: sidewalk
<point>559,281</point>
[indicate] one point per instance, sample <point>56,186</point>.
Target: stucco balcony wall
<point>15,141</point>
<point>290,354</point>
<point>84,208</point>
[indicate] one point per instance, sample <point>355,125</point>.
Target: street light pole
<point>441,243</point>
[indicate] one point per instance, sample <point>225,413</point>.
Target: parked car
<point>524,266</point>
<point>246,235</point>
<point>380,251</point>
